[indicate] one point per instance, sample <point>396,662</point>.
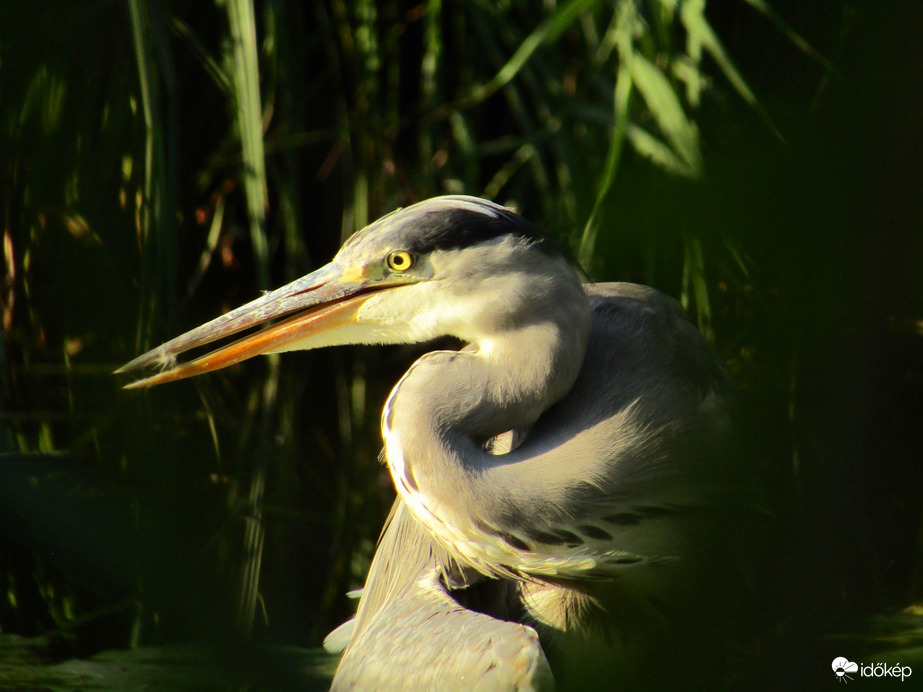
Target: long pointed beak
<point>319,302</point>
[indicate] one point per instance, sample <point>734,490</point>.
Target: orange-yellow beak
<point>313,305</point>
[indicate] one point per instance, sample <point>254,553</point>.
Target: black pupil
<point>399,260</point>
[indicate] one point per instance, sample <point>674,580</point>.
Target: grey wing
<point>644,442</point>
<point>411,634</point>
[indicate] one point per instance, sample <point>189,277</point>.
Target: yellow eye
<point>400,260</point>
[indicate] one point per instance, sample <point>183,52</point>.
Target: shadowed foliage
<point>162,162</point>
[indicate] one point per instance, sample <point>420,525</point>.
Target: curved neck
<point>449,404</point>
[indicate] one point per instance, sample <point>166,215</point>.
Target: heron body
<point>571,472</point>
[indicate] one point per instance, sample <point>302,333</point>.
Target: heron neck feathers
<point>449,404</point>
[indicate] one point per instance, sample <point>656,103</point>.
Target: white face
<point>473,293</point>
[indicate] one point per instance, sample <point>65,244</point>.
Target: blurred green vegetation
<point>164,161</point>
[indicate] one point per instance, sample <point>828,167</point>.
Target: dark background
<point>250,500</point>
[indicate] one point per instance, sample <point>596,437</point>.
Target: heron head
<point>453,265</point>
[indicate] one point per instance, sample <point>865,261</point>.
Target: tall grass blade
<point>664,105</point>
<point>546,32</point>
<point>246,81</point>
<point>429,73</point>
<point>695,295</point>
<point>621,107</point>
<point>156,231</point>
<point>249,115</point>
<point>796,39</point>
<point>701,35</point>
<point>209,64</point>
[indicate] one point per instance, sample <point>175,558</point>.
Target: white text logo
<point>845,670</point>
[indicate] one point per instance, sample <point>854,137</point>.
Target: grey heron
<point>570,504</point>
